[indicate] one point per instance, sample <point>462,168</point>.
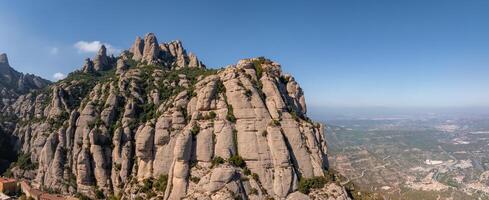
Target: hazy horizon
<point>325,113</point>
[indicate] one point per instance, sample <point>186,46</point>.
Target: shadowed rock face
<point>7,153</point>
<point>238,132</point>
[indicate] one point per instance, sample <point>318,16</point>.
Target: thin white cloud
<point>58,76</point>
<point>94,46</point>
<point>54,51</point>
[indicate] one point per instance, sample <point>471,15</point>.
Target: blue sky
<point>352,53</point>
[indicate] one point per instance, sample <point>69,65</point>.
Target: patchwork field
<point>413,158</point>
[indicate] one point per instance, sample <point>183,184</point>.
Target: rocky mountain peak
<point>162,126</point>
<point>151,51</point>
<point>3,59</point>
<point>172,55</point>
<point>14,83</point>
<point>101,62</point>
<point>102,51</point>
<point>88,66</point>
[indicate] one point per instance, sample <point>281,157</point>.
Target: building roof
<point>7,180</point>
<point>46,196</point>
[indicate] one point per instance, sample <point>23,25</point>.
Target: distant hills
<point>14,83</point>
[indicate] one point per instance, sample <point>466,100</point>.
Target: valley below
<point>428,157</point>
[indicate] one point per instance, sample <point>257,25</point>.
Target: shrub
<point>217,161</point>
<point>258,68</point>
<point>253,191</point>
<point>114,197</point>
<point>305,185</point>
<point>246,171</point>
<point>235,139</point>
<point>117,166</point>
<point>99,194</point>
<point>248,93</point>
<point>147,185</point>
<point>237,161</point>
<point>161,183</point>
<point>148,112</point>
<point>82,197</point>
<point>275,122</point>
<point>24,162</point>
<point>194,179</point>
<point>255,176</point>
<point>195,130</point>
<point>220,87</point>
<point>230,116</point>
<point>211,115</point>
<point>264,133</point>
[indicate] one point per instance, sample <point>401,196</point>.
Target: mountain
<point>14,83</point>
<point>155,123</point>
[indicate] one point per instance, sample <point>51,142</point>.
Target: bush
<point>195,130</point>
<point>194,179</point>
<point>237,161</point>
<point>258,68</point>
<point>81,196</point>
<point>248,93</point>
<point>211,115</point>
<point>230,116</point>
<point>24,162</point>
<point>305,185</point>
<point>255,176</point>
<point>253,191</point>
<point>147,112</point>
<point>147,185</point>
<point>246,171</point>
<point>217,161</point>
<point>235,139</point>
<point>99,194</point>
<point>114,197</point>
<point>264,133</point>
<point>220,87</point>
<point>117,166</point>
<point>161,183</point>
<point>275,122</point>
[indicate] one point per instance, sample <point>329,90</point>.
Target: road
<point>364,170</point>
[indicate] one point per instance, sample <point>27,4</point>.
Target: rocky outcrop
<point>162,126</point>
<point>14,83</point>
<point>171,55</point>
<point>101,61</point>
<point>4,59</point>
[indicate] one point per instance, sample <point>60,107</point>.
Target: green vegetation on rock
<point>306,184</point>
<point>237,161</point>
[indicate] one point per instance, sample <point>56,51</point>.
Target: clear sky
<point>343,53</point>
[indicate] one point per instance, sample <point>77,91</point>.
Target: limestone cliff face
<point>154,123</point>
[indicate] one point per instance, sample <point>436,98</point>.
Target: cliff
<point>154,123</point>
